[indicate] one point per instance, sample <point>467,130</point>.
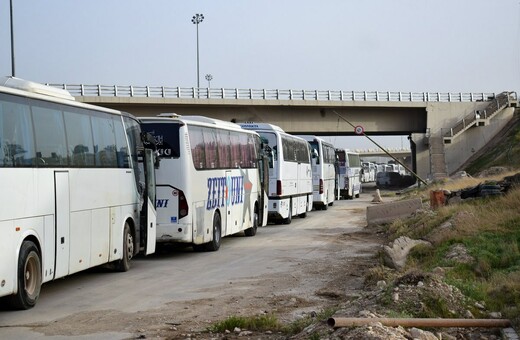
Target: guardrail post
<point>377,96</point>
<point>316,91</point>
<point>99,90</point>
<point>223,93</point>
<point>277,94</point>
<point>250,93</point>
<point>236,93</point>
<point>449,96</point>
<point>148,91</point>
<point>131,91</point>
<point>265,94</point>
<point>365,95</point>
<point>82,90</point>
<point>340,94</point>
<point>163,94</point>
<point>400,96</point>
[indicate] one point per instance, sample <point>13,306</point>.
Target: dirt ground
<point>336,280</point>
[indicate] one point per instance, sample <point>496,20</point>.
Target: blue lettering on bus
<point>224,190</point>
<point>162,203</point>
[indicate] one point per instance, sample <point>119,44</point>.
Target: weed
<point>299,325</point>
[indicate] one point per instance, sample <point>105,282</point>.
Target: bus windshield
<point>166,138</point>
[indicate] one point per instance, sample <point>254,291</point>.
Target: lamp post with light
<point>209,78</point>
<point>197,19</point>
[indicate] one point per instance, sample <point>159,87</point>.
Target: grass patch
<point>255,323</point>
<point>270,322</point>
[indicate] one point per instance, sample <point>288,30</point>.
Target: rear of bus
<point>172,178</point>
<point>349,173</point>
<point>208,184</point>
<point>290,175</point>
<point>323,172</point>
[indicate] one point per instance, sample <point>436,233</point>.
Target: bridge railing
<point>83,90</point>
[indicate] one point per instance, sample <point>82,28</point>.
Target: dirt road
<point>290,270</point>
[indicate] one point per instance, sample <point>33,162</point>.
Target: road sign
<point>359,130</point>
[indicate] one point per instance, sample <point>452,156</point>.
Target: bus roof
<point>198,120</point>
<point>30,89</point>
<point>260,126</point>
<point>311,138</point>
<point>347,151</point>
<point>33,87</point>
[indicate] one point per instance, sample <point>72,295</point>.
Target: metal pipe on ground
<point>419,322</point>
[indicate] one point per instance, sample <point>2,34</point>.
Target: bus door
<point>233,221</point>
<point>263,172</point>
<point>62,223</point>
<point>148,211</point>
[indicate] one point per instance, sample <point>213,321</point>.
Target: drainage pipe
<point>419,322</point>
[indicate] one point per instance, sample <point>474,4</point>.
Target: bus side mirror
<point>148,140</point>
<point>316,156</point>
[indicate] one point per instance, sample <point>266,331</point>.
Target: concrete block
<point>388,212</point>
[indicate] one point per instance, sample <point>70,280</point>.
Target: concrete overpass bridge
<point>444,129</point>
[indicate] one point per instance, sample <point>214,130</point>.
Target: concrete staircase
<point>480,117</point>
<point>438,168</point>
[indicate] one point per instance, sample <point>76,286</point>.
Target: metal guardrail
<point>264,94</point>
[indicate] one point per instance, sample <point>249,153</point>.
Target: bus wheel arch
<point>29,275</point>
<point>252,231</point>
<point>214,244</point>
<point>288,220</point>
<point>129,245</point>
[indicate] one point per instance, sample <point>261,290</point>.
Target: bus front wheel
<point>214,244</point>
<point>123,265</point>
<point>29,277</point>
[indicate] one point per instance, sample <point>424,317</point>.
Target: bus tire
<point>29,277</point>
<point>123,265</point>
<point>325,206</point>
<point>214,244</point>
<point>252,231</point>
<point>288,220</point>
<point>357,195</point>
<point>302,215</point>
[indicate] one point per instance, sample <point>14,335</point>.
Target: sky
<point>370,45</point>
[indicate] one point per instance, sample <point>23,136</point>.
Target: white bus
<point>349,173</point>
<point>369,172</point>
<point>323,171</point>
<point>210,183</point>
<point>73,195</point>
<point>290,172</point>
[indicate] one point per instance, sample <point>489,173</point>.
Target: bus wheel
<point>325,206</point>
<point>288,220</point>
<point>302,215</point>
<point>217,234</point>
<point>123,265</point>
<point>252,231</point>
<point>29,277</point>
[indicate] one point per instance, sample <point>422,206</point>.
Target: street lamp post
<point>197,19</point>
<point>12,37</point>
<point>209,78</point>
